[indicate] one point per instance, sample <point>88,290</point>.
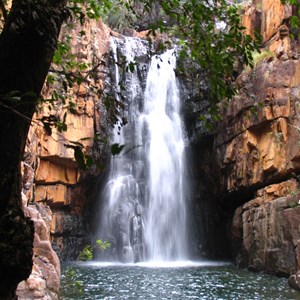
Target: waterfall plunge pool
<point>144,201</point>
<point>179,280</point>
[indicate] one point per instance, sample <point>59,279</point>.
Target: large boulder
<point>266,232</point>
<point>44,280</point>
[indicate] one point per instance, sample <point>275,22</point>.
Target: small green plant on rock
<point>258,58</point>
<point>87,253</point>
<point>292,204</point>
<point>71,285</point>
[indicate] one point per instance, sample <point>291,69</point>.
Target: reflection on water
<point>182,281</point>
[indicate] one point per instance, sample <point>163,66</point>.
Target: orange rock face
<point>53,195</point>
<point>54,167</point>
<point>44,281</point>
<point>267,230</point>
<point>272,15</point>
<point>258,142</point>
<point>256,149</point>
<point>251,19</point>
<point>49,172</point>
<point>265,17</point>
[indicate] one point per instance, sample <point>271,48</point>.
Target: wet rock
<point>294,281</point>
<point>266,231</point>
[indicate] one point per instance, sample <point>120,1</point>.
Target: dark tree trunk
<point>27,44</point>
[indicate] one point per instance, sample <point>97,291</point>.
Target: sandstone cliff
<point>249,178</point>
<point>55,190</point>
<point>56,172</point>
<point>253,156</point>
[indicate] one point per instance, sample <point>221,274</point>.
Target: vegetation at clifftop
<point>209,34</point>
<point>210,39</point>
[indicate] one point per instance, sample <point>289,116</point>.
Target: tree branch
<point>77,74</point>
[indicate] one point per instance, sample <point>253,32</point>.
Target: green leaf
<point>131,66</point>
<point>11,99</point>
<point>86,254</point>
<point>103,245</point>
<point>116,149</point>
<point>294,22</point>
<point>61,126</point>
<point>47,128</point>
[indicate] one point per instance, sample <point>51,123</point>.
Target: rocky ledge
<point>253,157</point>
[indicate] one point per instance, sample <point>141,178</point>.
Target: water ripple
<point>214,281</point>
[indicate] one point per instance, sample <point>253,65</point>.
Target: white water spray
<point>144,212</point>
<point>165,230</point>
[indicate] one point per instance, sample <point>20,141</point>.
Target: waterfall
<point>166,216</point>
<point>144,206</point>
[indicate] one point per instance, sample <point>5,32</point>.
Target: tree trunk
<point>27,45</point>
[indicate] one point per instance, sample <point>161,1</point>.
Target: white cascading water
<point>144,211</point>
<point>166,214</point>
<point>121,218</point>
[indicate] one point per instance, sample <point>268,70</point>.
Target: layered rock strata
<point>254,155</point>
<point>57,177</point>
<point>265,230</point>
<point>55,190</point>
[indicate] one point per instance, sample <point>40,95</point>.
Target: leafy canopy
<point>208,33</point>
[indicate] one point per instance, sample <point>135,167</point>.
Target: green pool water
<point>186,280</point>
